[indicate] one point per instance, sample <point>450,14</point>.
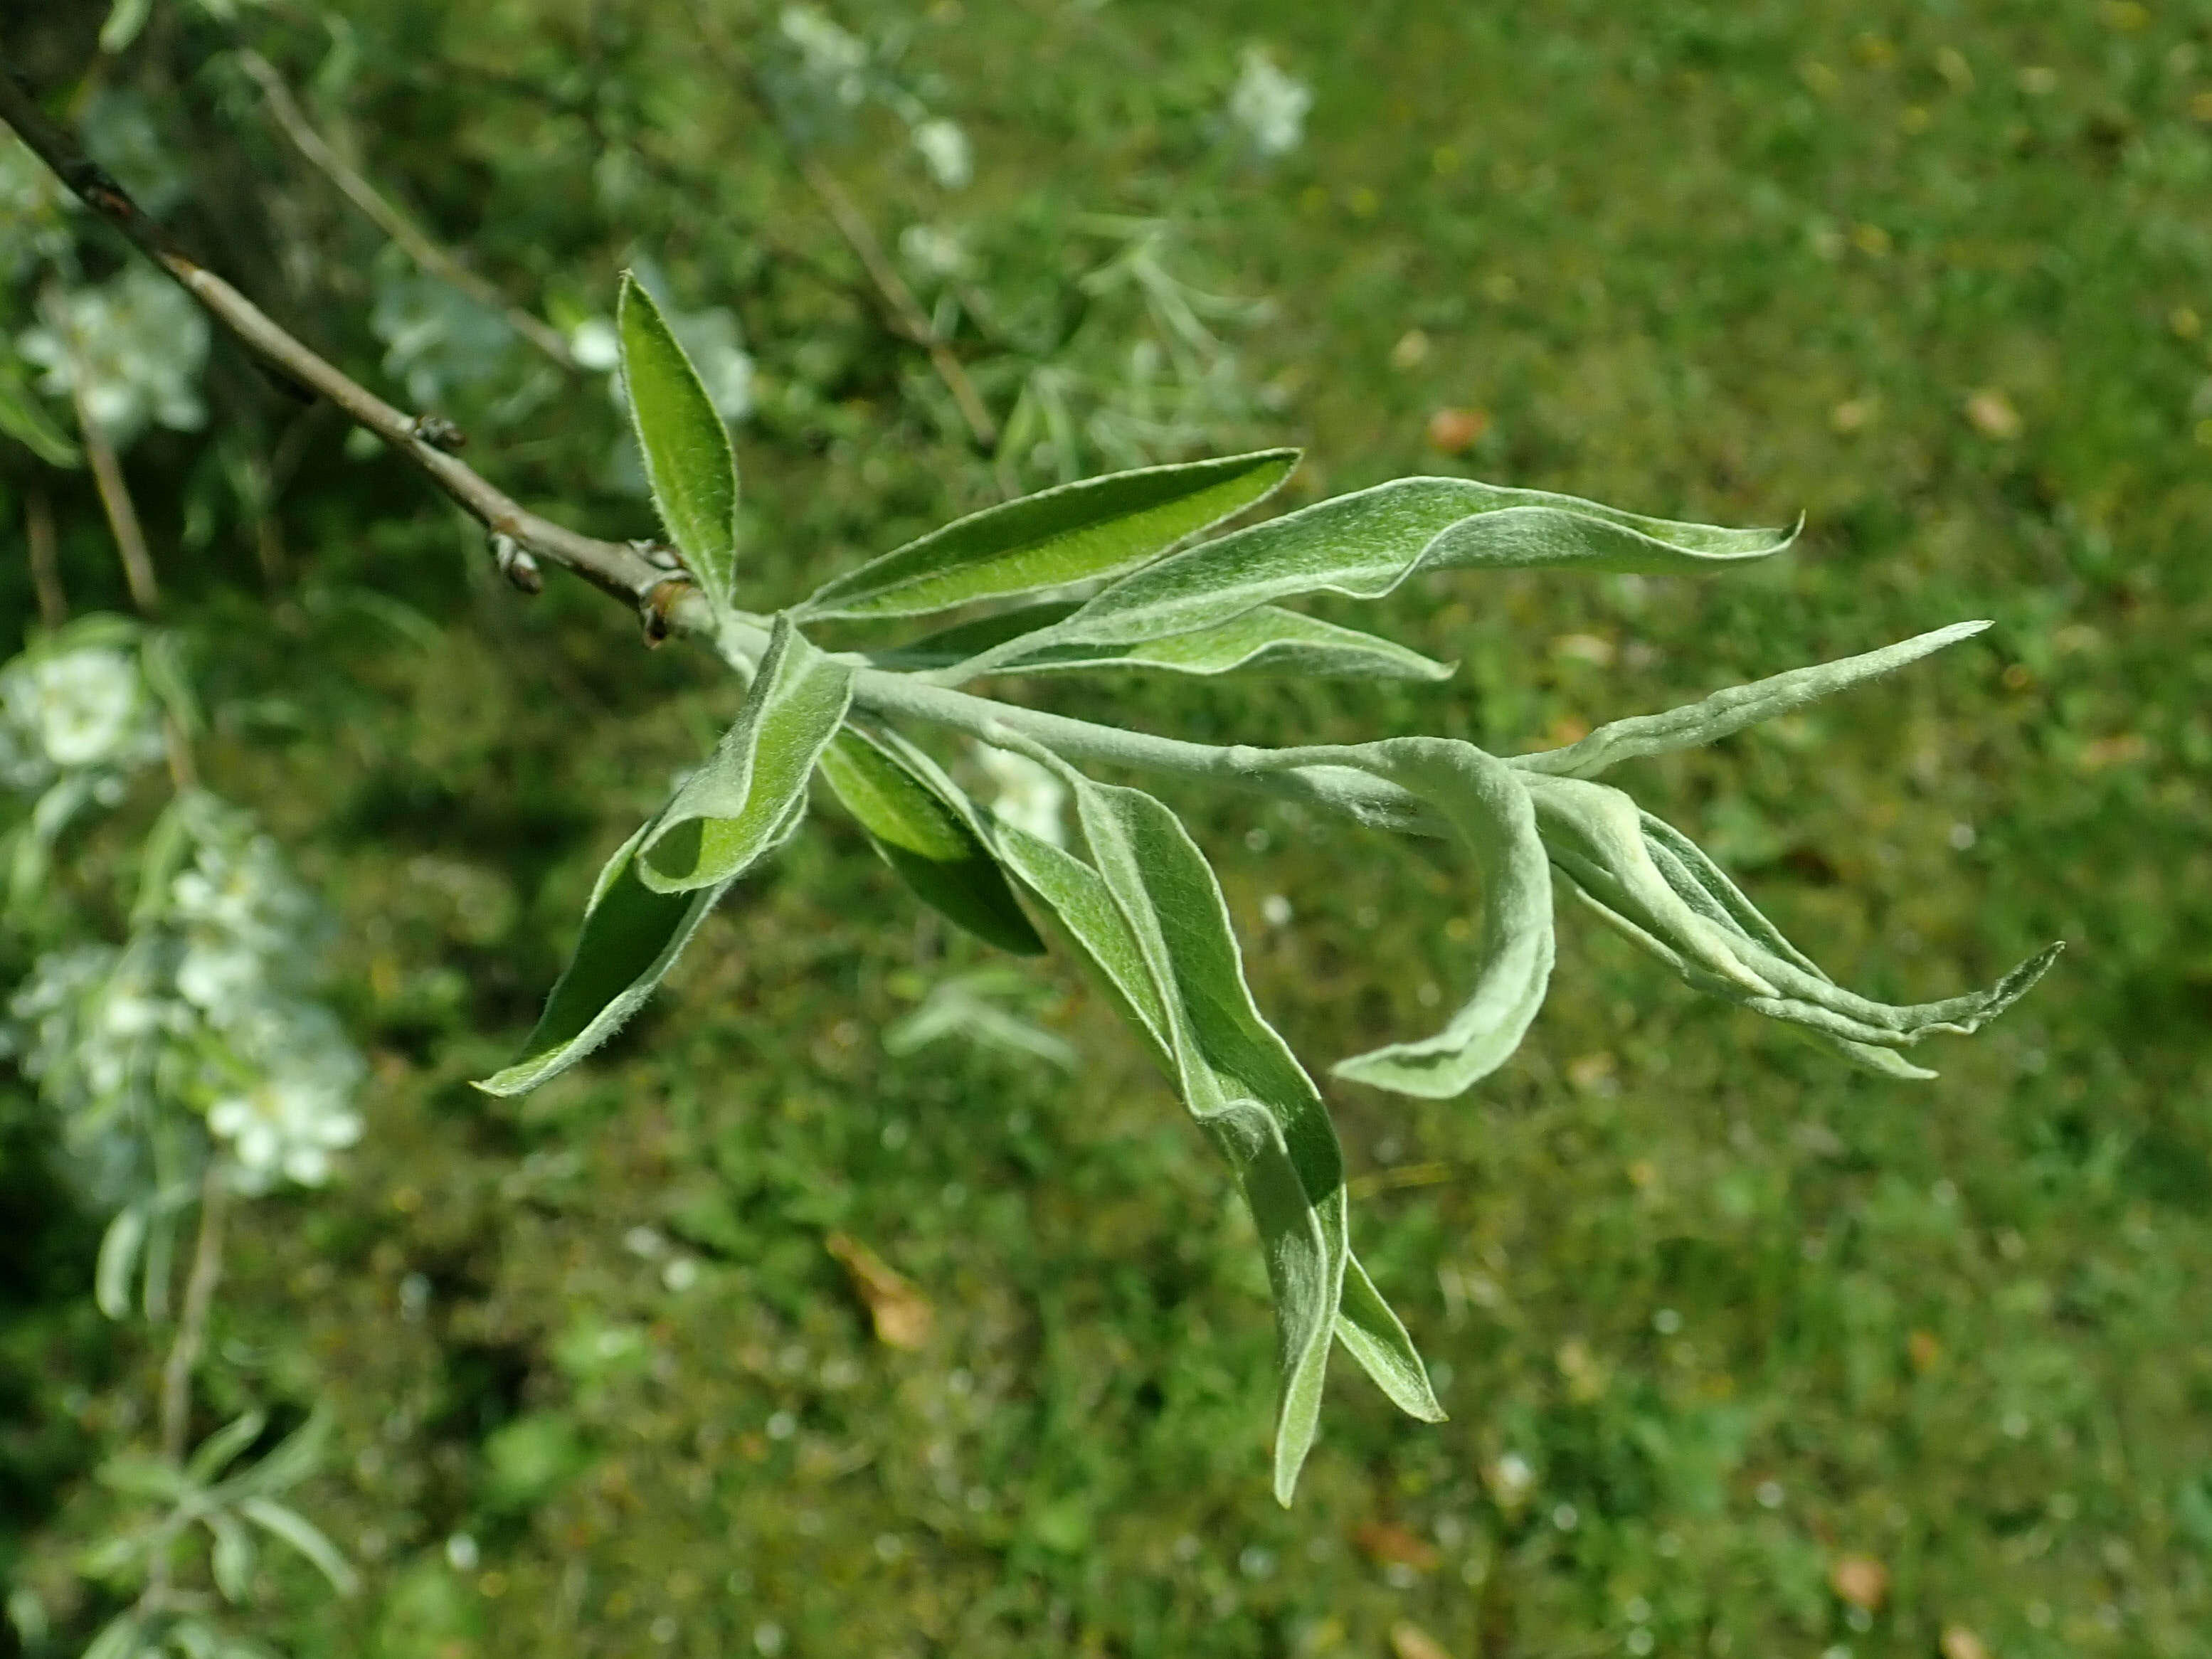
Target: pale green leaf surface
<point>1366,544</point>
<point>741,802</point>
<point>1488,807</point>
<point>1373,1334</point>
<point>117,1639</point>
<point>631,936</point>
<point>908,807</point>
<point>302,1534</point>
<point>1724,713</point>
<point>124,20</point>
<point>1267,640</point>
<point>119,1255</point>
<point>688,458</point>
<point>1239,1080</point>
<point>1074,532</point>
<point>231,1560</point>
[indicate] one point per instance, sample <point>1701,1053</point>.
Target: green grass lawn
<point>1711,1314</point>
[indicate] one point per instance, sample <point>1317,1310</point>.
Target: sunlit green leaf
<point>746,800</point>
<point>630,938</point>
<point>119,1255</point>
<point>1365,544</point>
<point>1076,532</point>
<point>220,1450</point>
<point>688,458</point>
<point>124,20</point>
<point>907,806</point>
<point>1713,718</point>
<point>1269,640</point>
<point>1239,1078</point>
<point>1653,884</point>
<point>1373,1334</point>
<point>231,1560</point>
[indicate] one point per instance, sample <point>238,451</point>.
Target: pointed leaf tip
<point>688,458</point>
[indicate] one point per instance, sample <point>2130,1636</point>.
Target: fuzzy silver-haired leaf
<point>1373,1334</point>
<point>740,804</point>
<point>688,458</point>
<point>1267,640</point>
<point>919,821</point>
<point>1365,543</point>
<point>1074,532</point>
<point>630,938</point>
<point>1614,875</point>
<point>1724,713</point>
<point>1236,1075</point>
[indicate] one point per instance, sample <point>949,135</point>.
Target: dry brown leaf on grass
<point>901,1314</point>
<point>1960,1643</point>
<point>1859,1581</point>
<point>1386,1544</point>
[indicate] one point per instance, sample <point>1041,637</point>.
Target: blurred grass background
<point>1718,1324</point>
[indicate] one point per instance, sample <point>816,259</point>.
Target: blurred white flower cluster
<point>201,1008</point>
<point>86,710</point>
<point>830,72</point>
<point>833,59</point>
<point>1268,106</point>
<point>134,346</point>
<point>1026,794</point>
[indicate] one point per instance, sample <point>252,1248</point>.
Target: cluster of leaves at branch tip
<point>1128,581</point>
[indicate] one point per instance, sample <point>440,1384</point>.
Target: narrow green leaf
<point>126,18</point>
<point>1663,894</point>
<point>687,458</point>
<point>1238,1079</point>
<point>1076,532</point>
<point>1488,808</point>
<point>1373,1334</point>
<point>231,1561</point>
<point>119,1255</point>
<point>119,1639</point>
<point>220,1450</point>
<point>1267,640</point>
<point>907,806</point>
<point>303,1536</point>
<point>630,938</point>
<point>1366,544</point>
<point>746,798</point>
<point>1724,713</point>
<point>24,418</point>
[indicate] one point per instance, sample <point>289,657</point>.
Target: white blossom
<point>1268,105</point>
<point>297,1110</point>
<point>73,710</point>
<point>135,345</point>
<point>933,253</point>
<point>945,151</point>
<point>1029,796</point>
<point>835,60</point>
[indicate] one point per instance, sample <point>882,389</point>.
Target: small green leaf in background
<point>124,20</point>
<point>1365,543</point>
<point>907,807</point>
<point>1724,713</point>
<point>750,794</point>
<point>688,458</point>
<point>1077,532</point>
<point>24,418</point>
<point>630,938</point>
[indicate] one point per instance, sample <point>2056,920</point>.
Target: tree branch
<point>426,253</point>
<point>106,468</point>
<point>668,601</point>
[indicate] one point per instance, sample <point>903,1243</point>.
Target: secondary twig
<point>46,558</point>
<point>192,1317</point>
<point>108,477</point>
<point>418,246</point>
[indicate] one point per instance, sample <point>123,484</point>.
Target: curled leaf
<point>747,798</point>
<point>1269,640</point>
<point>1074,532</point>
<point>1365,543</point>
